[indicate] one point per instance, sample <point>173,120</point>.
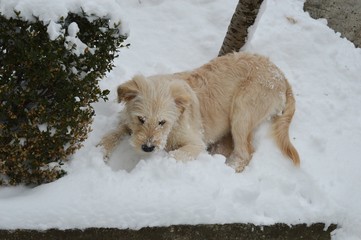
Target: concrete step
<point>182,232</point>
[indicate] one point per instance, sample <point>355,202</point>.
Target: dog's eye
<point>141,119</point>
<point>161,123</point>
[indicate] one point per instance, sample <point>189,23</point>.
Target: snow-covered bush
<point>49,73</point>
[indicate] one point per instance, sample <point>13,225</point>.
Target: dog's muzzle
<point>147,148</point>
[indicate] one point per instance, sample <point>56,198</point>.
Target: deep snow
<point>170,36</point>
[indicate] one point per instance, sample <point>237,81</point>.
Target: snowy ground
<point>169,36</point>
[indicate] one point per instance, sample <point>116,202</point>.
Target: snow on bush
<point>52,57</point>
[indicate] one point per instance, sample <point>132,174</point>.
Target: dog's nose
<point>147,148</point>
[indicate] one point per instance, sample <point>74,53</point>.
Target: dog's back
<point>218,82</point>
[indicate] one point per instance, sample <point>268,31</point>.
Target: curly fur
<point>214,107</point>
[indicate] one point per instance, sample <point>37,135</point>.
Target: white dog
<point>214,107</point>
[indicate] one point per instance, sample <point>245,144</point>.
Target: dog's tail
<point>281,126</point>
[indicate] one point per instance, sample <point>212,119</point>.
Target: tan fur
<point>215,107</point>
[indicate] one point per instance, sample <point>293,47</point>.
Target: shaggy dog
<point>215,107</point>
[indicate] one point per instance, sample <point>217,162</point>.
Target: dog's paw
<point>106,157</point>
<point>237,164</point>
<point>106,154</point>
<point>180,155</point>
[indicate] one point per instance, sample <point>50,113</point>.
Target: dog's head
<point>153,108</point>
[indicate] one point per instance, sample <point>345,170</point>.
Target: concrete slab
<point>182,232</point>
<point>343,16</point>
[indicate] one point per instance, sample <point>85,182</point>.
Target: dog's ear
<point>130,89</point>
<point>181,96</point>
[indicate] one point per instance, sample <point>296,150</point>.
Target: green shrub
<point>46,90</point>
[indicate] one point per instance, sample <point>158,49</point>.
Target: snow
<point>50,12</point>
<point>132,192</point>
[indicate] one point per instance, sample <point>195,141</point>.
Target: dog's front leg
<point>187,152</point>
<point>112,139</point>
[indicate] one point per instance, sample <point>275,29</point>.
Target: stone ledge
<point>343,16</point>
<point>182,232</point>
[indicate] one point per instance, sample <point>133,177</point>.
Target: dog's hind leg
<point>249,109</point>
<point>242,134</point>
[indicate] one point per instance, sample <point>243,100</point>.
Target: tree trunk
<point>243,17</point>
